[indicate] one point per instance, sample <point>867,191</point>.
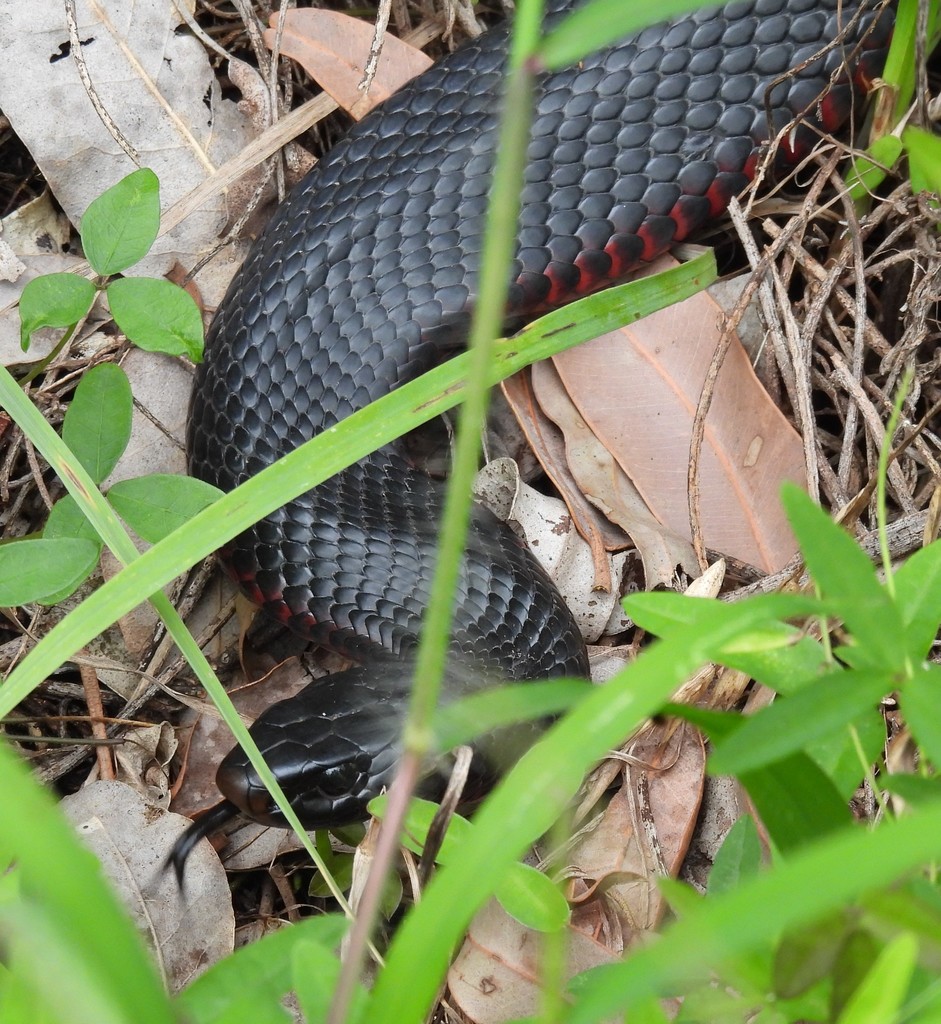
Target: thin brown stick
<point>96,712</point>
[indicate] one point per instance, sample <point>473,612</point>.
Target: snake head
<point>332,748</point>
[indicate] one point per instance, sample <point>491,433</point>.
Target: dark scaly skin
<point>372,264</point>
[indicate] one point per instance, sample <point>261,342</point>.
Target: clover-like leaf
<point>53,300</point>
<point>158,316</point>
<point>120,226</point>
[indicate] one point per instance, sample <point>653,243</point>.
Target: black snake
<point>370,269</point>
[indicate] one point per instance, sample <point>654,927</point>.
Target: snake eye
<point>339,779</point>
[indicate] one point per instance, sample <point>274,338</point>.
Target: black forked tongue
<point>210,822</point>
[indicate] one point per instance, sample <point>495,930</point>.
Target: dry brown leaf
<point>333,49</point>
<point>188,930</point>
<point>547,527</point>
<point>142,764</point>
<point>644,831</point>
<point>638,388</point>
<point>548,444</point>
<point>496,975</point>
<point>599,478</point>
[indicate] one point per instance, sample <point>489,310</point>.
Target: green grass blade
<point>64,880</point>
<point>601,23</point>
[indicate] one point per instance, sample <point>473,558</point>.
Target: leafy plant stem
<point>39,367</point>
<point>802,889</point>
<point>486,324</point>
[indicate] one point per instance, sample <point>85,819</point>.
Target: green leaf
<point>154,506</point>
<point>488,710</point>
<point>666,614</point>
<point>924,159</point>
<point>67,520</point>
<point>805,957</point>
<point>36,570</point>
<point>838,755</point>
<point>918,597</point>
<point>315,970</point>
<point>914,905</point>
<point>797,803</point>
<point>717,725</point>
<point>526,894</point>
<point>779,656</point>
<point>920,701</point>
<point>53,300</point>
<point>847,581</point>
<point>815,712</point>
<point>681,897</point>
<point>339,865</point>
<point>913,789</point>
<point>785,669</point>
<point>738,857</point>
<point>857,956</point>
<point>251,983</point>
<point>795,800</point>
<point>120,226</point>
<point>533,899</point>
<point>158,316</point>
<point>868,171</point>
<point>881,994</point>
<point>97,424</point>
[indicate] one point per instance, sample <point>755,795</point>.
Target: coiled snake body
<point>372,264</point>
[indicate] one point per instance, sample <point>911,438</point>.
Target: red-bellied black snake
<point>372,265</point>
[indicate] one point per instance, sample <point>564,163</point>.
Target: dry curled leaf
<point>496,976</point>
<point>643,833</point>
<point>599,478</point>
<point>638,388</point>
<point>188,929</point>
<point>334,48</point>
<point>623,407</point>
<point>546,525</point>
